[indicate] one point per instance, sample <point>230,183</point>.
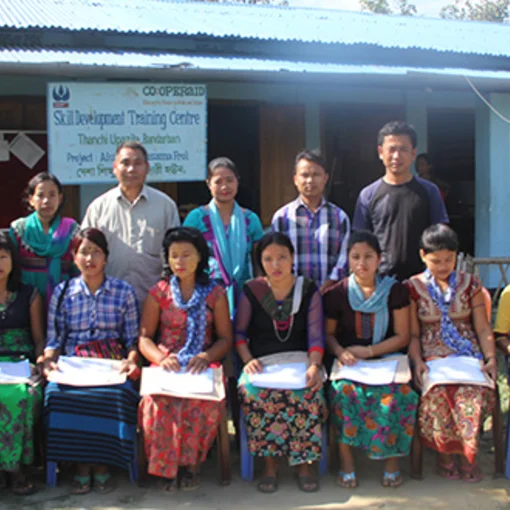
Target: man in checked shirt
<point>318,229</point>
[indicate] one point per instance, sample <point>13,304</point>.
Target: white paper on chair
<point>287,376</point>
<point>373,373</point>
<point>15,372</point>
<point>455,370</point>
<point>176,381</point>
<point>76,371</point>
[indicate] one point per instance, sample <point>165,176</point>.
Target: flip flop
<point>393,480</point>
<point>308,483</point>
<point>190,481</point>
<point>448,470</point>
<point>81,485</point>
<point>471,473</point>
<point>104,485</point>
<point>268,484</point>
<point>21,486</point>
<point>168,484</point>
<point>347,480</point>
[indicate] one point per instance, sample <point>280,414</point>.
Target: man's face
<point>310,179</point>
<point>130,168</point>
<point>397,154</point>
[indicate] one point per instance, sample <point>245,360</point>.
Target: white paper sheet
<point>4,149</point>
<point>26,150</point>
<point>76,371</point>
<point>374,373</point>
<point>288,376</point>
<point>458,369</point>
<point>14,372</point>
<point>176,381</point>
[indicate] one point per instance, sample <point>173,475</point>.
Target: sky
<point>429,8</point>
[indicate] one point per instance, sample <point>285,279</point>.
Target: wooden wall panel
<point>282,136</point>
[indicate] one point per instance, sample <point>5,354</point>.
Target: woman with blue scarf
<point>449,318</point>
<point>194,332</point>
<point>367,316</point>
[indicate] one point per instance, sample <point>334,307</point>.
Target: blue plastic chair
<point>51,468</point>
<point>247,458</point>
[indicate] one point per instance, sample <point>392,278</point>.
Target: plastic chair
<point>247,459</point>
<point>51,468</point>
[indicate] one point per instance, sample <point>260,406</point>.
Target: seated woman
<point>194,331</point>
<point>368,317</point>
<point>21,337</point>
<point>92,315</point>
<point>448,318</point>
<point>281,423</point>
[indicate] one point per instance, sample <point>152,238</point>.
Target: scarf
<point>231,252</point>
<point>53,245</point>
<point>196,310</point>
<point>376,304</point>
<point>449,333</point>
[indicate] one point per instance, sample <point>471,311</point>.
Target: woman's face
<point>5,264</point>
<point>223,185</point>
<point>90,259</point>
<point>423,168</point>
<point>277,262</point>
<point>363,261</point>
<point>183,259</point>
<point>46,200</point>
<point>440,263</point>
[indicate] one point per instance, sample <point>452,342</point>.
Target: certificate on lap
<point>287,376</point>
<point>76,371</point>
<point>15,372</point>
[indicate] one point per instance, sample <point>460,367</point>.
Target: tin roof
<point>241,21</point>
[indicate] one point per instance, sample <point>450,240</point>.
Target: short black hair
<point>397,127</point>
<point>439,237</point>
<point>32,185</point>
<point>222,162</point>
<point>14,278</point>
<point>94,235</point>
<point>425,158</point>
<point>194,237</point>
<point>314,156</point>
<point>135,145</point>
<point>268,239</point>
<point>364,236</point>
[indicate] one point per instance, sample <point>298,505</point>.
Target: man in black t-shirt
<point>398,207</point>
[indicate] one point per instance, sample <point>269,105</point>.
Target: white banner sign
<point>87,121</point>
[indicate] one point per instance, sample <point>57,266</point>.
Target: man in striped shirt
<point>318,229</point>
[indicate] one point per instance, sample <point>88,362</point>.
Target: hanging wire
<point>482,97</point>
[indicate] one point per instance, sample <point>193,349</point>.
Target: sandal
<point>347,480</point>
<point>21,486</point>
<point>471,473</point>
<point>268,484</point>
<point>81,485</point>
<point>190,480</point>
<point>308,483</point>
<point>168,484</point>
<point>448,470</point>
<point>104,484</point>
<point>392,479</point>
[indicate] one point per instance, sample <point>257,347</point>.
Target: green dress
<point>19,403</point>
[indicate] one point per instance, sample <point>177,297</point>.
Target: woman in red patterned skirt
<point>187,308</point>
<point>448,318</point>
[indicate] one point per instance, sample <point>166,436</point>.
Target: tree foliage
<point>483,10</point>
<point>274,2</point>
<point>402,7</point>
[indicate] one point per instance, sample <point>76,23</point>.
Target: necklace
<point>289,330</point>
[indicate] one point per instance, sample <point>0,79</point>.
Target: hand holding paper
<point>288,376</point>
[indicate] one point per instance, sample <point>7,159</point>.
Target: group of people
<point>131,284</point>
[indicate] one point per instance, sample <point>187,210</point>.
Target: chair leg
<point>416,453</point>
<point>246,457</point>
<point>133,465</point>
<point>497,437</point>
<point>51,474</point>
<point>233,401</point>
<point>223,442</point>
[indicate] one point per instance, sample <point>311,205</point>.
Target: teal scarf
<point>232,249</point>
<point>377,304</point>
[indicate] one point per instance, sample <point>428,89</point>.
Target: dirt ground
<point>433,492</point>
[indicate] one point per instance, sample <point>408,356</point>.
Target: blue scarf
<point>377,304</point>
<point>449,333</point>
<point>232,249</point>
<point>197,318</point>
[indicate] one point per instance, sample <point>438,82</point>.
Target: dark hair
<point>32,185</point>
<point>14,279</point>
<point>364,236</point>
<point>94,235</point>
<point>133,144</point>
<point>222,162</point>
<point>439,237</point>
<point>272,238</point>
<point>397,127</point>
<point>194,237</point>
<point>314,156</point>
<point>425,157</point>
